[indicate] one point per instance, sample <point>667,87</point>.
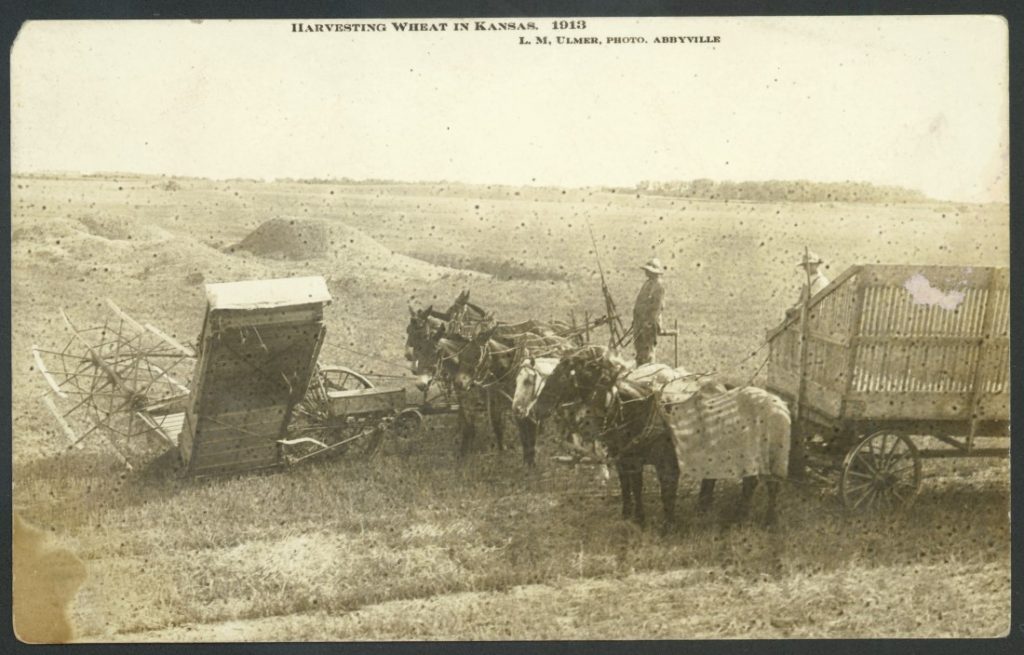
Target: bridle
<point>614,406</point>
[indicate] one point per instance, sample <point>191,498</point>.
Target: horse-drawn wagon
<point>889,365</point>
<point>257,396</point>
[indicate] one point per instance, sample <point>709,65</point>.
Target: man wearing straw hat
<point>814,280</point>
<point>647,312</point>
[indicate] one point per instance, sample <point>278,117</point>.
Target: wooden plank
<point>979,372</point>
<point>919,406</point>
<point>166,426</point>
<point>233,463</point>
<point>935,453</point>
<point>262,414</point>
<point>855,341</point>
<point>366,400</point>
<point>206,434</point>
<point>944,277</point>
<point>171,341</point>
<point>818,397</point>
<point>227,319</point>
<point>241,449</point>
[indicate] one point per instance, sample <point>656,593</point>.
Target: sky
<point>920,102</point>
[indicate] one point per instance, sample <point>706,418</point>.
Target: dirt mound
<point>301,239</point>
<point>121,229</point>
<point>338,248</point>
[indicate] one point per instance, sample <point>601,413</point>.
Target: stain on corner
<point>46,578</point>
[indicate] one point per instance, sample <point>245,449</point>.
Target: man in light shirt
<point>650,302</point>
<point>815,280</point>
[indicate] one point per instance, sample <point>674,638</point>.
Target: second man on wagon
<point>647,312</point>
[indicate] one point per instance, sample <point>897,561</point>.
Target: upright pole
<point>616,331</point>
<point>675,343</point>
<point>984,345</point>
<point>798,449</point>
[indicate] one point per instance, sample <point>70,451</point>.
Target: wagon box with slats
<point>904,350</point>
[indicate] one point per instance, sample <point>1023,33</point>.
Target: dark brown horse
<point>629,431</point>
<point>636,432</point>
<point>427,326</point>
<point>483,372</point>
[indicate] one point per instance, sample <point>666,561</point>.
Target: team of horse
<point>649,415</point>
<point>476,359</point>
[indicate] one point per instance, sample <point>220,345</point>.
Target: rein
<point>614,420</point>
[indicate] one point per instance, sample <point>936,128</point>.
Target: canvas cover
<point>267,294</point>
<point>731,434</point>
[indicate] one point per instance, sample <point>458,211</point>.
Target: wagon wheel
<point>881,474</point>
<point>313,419</point>
<point>339,378</point>
<point>407,423</point>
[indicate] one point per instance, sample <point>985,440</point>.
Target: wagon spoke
<point>862,498</point>
<point>882,448</point>
<point>908,467</point>
<point>862,485</point>
<point>897,493</point>
<point>895,456</point>
<point>857,474</point>
<point>862,458</point>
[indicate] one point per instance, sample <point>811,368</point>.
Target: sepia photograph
<point>510,329</point>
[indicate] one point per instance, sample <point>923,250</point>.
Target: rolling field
<point>415,545</point>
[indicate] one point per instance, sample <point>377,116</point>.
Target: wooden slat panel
<point>263,418</point>
<point>229,319</point>
<point>922,405</point>
<point>825,400</point>
<point>243,448</point>
<point>234,462</point>
<point>939,276</point>
<point>167,425</point>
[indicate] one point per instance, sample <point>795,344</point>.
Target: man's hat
<point>653,265</point>
<point>810,258</point>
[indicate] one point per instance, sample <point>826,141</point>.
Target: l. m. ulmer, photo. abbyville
<point>414,337</point>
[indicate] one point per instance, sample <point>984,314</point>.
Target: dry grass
<point>417,546</point>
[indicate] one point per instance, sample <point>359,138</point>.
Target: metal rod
<point>974,452</point>
<point>46,374</point>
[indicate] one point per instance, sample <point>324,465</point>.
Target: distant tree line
<point>336,180</point>
<point>782,190</point>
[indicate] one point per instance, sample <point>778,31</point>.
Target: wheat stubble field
<point>415,545</point>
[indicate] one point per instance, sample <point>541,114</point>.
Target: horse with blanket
<point>656,415</point>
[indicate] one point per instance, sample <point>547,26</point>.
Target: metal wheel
<point>407,423</point>
<point>881,474</point>
<point>316,432</point>
<point>339,378</point>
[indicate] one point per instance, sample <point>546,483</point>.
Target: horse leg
<point>638,494</point>
<point>528,439</point>
<point>668,482</point>
<point>495,413</point>
<point>707,494</point>
<point>625,484</point>
<point>467,427</point>
<point>747,494</point>
<point>772,517</point>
